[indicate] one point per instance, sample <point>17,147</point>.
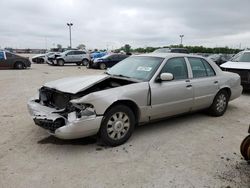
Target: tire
<point>245,148</point>
<point>220,103</point>
<point>102,66</point>
<point>19,65</point>
<point>85,62</point>
<point>88,66</point>
<point>78,63</point>
<point>117,125</point>
<point>248,154</point>
<point>60,62</point>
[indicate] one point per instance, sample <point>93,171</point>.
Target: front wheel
<point>245,148</point>
<point>117,125</point>
<point>220,103</point>
<point>60,62</point>
<point>102,66</point>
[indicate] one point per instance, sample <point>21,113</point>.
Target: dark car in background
<point>10,60</point>
<point>220,58</point>
<point>106,61</point>
<point>172,50</point>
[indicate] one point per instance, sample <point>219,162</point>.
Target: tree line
<point>192,49</point>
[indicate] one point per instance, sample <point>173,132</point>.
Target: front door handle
<point>188,86</point>
<point>216,82</point>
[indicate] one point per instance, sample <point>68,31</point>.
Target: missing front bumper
<point>61,127</point>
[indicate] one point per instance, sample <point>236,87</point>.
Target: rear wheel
<point>85,62</point>
<point>102,66</point>
<point>220,103</point>
<point>117,125</point>
<point>60,62</point>
<point>245,148</point>
<point>19,65</point>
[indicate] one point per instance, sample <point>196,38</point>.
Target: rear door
<point>204,81</point>
<point>79,56</point>
<point>3,62</point>
<point>172,97</point>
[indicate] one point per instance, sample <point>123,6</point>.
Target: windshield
<point>241,57</point>
<point>137,67</point>
<point>162,50</point>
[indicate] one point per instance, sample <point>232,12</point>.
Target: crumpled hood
<point>236,65</point>
<point>75,84</point>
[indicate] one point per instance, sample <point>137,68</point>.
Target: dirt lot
<point>189,151</point>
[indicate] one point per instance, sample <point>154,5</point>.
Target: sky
<point>113,23</point>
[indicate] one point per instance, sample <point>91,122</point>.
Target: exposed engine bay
<point>53,98</point>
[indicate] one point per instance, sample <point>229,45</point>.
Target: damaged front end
<point>53,111</point>
<point>61,113</point>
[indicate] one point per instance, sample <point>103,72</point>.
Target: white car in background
<point>240,64</point>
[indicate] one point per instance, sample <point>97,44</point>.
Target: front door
<point>70,57</point>
<point>172,97</point>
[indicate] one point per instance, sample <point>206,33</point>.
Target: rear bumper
<point>61,127</point>
<point>236,92</point>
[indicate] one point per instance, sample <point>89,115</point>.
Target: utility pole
<point>181,36</point>
<point>70,25</point>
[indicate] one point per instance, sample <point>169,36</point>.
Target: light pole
<point>70,25</point>
<point>181,36</point>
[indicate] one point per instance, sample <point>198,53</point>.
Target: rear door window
<point>200,68</point>
<point>79,52</point>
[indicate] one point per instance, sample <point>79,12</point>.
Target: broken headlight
<point>81,110</point>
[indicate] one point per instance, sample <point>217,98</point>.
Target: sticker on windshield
<point>147,69</point>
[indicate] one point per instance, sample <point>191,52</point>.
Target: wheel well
<point>129,104</point>
<point>59,59</point>
<point>227,90</point>
<point>85,59</point>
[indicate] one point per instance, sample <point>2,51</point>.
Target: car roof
<point>168,55</point>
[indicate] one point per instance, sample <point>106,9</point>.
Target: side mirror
<point>166,76</point>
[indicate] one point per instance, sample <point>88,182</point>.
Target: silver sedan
<point>137,90</point>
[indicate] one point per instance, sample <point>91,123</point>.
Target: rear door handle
<point>216,82</point>
<point>188,86</point>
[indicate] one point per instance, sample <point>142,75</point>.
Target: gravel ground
<point>189,151</point>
